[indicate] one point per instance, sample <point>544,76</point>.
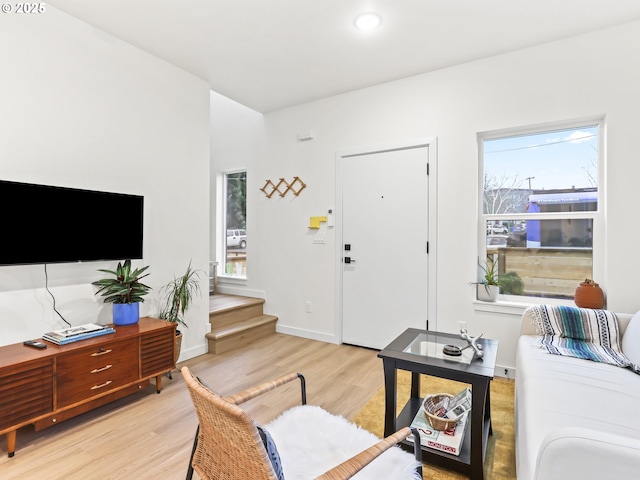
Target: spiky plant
<point>178,295</point>
<point>489,275</point>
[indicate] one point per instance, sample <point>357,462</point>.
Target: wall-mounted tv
<point>47,224</point>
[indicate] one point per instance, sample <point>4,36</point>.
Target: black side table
<point>420,352</point>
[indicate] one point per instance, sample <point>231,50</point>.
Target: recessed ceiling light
<point>367,21</point>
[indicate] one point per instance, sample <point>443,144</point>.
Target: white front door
<point>384,244</point>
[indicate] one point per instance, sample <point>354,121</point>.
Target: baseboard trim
<point>310,334</point>
<point>193,352</point>
<point>505,372</point>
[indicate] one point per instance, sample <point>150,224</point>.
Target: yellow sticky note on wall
<point>314,222</point>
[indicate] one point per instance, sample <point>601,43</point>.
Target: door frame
<point>432,150</point>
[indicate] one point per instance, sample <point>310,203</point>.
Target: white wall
<point>237,142</point>
<point>83,109</point>
<point>595,74</point>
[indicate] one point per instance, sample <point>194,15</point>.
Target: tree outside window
<point>236,224</point>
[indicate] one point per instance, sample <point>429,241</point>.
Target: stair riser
<point>229,317</point>
<point>242,338</point>
<point>221,332</point>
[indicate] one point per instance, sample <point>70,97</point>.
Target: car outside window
<point>235,243</point>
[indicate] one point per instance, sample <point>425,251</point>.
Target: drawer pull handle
<point>96,387</point>
<point>101,352</point>
<point>96,370</point>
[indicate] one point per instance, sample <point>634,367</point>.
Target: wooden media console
<point>44,387</point>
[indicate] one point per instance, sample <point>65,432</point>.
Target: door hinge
<point>427,247</point>
<point>427,169</point>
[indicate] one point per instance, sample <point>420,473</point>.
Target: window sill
<point>232,280</point>
<point>505,306</point>
<point>501,306</point>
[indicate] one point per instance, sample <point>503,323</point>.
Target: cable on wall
<point>46,286</point>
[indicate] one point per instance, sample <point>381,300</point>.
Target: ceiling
<point>271,54</point>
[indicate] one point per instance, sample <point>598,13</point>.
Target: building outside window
<point>235,240</point>
<point>541,208</point>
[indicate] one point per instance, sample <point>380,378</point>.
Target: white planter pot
<point>487,293</point>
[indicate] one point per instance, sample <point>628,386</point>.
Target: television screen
<point>47,224</point>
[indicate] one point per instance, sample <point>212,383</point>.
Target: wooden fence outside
<point>555,272</point>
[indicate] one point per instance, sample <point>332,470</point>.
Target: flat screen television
<point>47,224</point>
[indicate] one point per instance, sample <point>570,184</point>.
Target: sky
<point>557,159</point>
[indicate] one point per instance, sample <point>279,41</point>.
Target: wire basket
<point>430,405</point>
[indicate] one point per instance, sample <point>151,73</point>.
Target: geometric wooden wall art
<point>295,187</point>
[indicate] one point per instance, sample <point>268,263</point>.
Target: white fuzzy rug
<point>311,441</point>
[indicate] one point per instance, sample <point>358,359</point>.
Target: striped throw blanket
<point>581,333</point>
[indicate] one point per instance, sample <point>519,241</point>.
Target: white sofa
<point>575,418</point>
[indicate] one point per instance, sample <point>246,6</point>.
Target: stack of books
<point>74,334</point>
<point>449,441</point>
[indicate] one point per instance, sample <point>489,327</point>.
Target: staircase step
<point>221,302</point>
<point>227,310</point>
<point>224,338</point>
<point>237,320</point>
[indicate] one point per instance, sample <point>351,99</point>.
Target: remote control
<point>34,344</point>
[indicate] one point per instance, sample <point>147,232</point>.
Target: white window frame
<point>515,302</point>
<point>221,230</point>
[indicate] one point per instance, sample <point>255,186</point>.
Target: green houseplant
<point>177,297</point>
<point>125,291</point>
<point>488,287</point>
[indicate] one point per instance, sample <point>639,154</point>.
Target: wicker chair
<point>229,445</point>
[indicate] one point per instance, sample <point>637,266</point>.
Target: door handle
<point>349,260</point>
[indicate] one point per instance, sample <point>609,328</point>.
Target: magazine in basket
<point>449,441</point>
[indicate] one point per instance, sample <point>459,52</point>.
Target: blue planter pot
<point>126,313</point>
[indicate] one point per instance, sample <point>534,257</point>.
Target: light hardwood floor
<point>149,436</point>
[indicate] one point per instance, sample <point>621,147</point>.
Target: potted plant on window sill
<point>125,291</point>
<point>488,288</point>
<point>177,298</point>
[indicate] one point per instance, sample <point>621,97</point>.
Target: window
<point>540,211</point>
<point>235,240</point>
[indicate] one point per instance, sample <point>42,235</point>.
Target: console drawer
<point>94,370</point>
